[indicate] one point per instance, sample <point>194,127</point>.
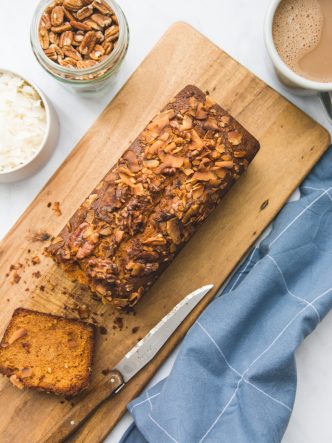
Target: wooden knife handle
<point>86,406</point>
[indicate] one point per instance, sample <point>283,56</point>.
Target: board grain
<point>291,143</point>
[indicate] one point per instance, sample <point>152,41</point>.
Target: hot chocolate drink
<point>302,34</point>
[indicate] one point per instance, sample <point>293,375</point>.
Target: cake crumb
<point>36,274</point>
<point>15,278</point>
<point>56,209</point>
<point>40,237</point>
<point>35,260</point>
<point>118,321</point>
<point>103,330</point>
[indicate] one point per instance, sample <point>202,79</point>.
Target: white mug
<point>298,84</point>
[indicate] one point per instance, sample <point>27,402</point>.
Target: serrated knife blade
<point>147,348</point>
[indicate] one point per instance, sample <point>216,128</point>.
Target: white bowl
<point>47,146</point>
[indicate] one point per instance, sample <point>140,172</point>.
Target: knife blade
<point>135,360</point>
<point>147,348</point>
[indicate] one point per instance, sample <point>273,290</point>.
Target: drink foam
<point>297,29</point>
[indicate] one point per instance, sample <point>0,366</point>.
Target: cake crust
<point>47,352</point>
<point>151,202</point>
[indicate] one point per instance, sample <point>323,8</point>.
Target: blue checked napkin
<point>234,379</point>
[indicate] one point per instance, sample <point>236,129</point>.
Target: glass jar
<point>89,79</point>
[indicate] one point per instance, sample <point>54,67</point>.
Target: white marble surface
<point>236,26</point>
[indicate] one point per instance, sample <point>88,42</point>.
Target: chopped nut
<point>225,119</point>
<point>173,230</point>
<point>45,21</point>
<point>118,236</point>
<point>225,164</point>
<point>16,335</point>
<point>135,268</point>
<point>156,240</point>
<point>69,62</point>
<point>57,16</point>
<point>211,123</point>
<point>197,142</point>
<point>79,36</point>
<point>54,38</point>
<point>69,15</point>
<point>204,176</point>
<point>25,372</point>
<point>92,25</point>
<point>88,43</point>
<point>188,171</point>
<point>44,38</point>
<point>220,148</point>
<point>79,25</point>
<point>84,12</point>
<point>102,6</point>
<point>97,52</point>
<point>72,53</point>
<point>220,172</point>
<point>73,5</point>
<point>66,39</point>
<point>201,114</point>
<point>151,163</point>
<point>240,154</point>
<point>84,17</point>
<point>208,102</point>
<point>101,20</point>
<point>171,161</point>
<point>108,47</point>
<point>16,381</point>
<point>100,37</point>
<point>234,137</point>
<point>51,53</point>
<point>131,157</point>
<point>198,192</point>
<point>187,123</point>
<point>111,33</point>
<point>62,28</point>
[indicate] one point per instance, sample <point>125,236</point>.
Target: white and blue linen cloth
<point>234,380</point>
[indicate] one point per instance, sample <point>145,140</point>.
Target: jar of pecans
<point>81,43</point>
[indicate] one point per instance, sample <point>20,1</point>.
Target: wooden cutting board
<point>291,143</point>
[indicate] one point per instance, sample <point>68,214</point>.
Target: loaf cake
<point>151,202</point>
<point>47,352</point>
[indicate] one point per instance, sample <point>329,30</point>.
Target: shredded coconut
<point>22,121</point>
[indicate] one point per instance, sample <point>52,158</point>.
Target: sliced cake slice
<point>47,352</point>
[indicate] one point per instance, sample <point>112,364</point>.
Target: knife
<point>135,360</point>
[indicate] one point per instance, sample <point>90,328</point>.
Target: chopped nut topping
<point>225,164</point>
<point>24,372</point>
<point>148,205</point>
<point>234,137</point>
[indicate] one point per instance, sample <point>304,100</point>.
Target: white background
<point>237,27</point>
